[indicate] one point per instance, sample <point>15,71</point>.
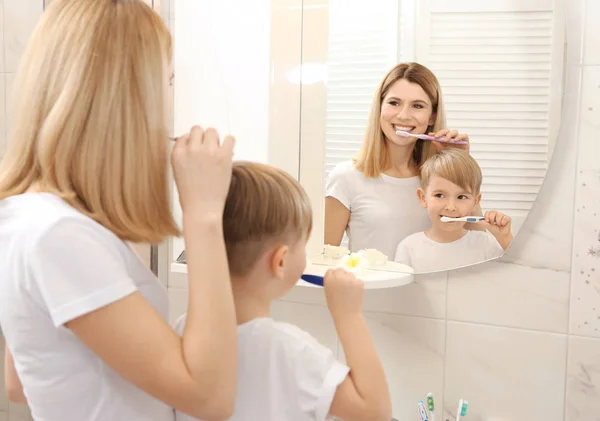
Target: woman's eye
<point>394,103</point>
<point>418,106</point>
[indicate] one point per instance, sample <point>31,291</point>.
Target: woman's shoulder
<point>345,171</point>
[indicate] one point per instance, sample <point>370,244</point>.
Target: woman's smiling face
<point>405,107</point>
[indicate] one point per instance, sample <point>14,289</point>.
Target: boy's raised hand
<point>344,292</point>
<point>499,225</point>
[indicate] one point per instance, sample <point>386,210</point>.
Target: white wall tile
<point>411,350</point>
<point>2,66</point>
<point>583,380</point>
<point>591,47</point>
<point>2,115</point>
<point>18,412</point>
<point>504,374</point>
<point>508,294</point>
<point>3,416</point>
<point>20,18</point>
<point>585,277</point>
<point>426,297</point>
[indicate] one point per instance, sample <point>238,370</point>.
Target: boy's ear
<point>421,196</point>
<point>278,260</point>
<point>478,199</point>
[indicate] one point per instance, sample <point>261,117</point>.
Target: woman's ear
<point>421,196</point>
<point>278,260</point>
<point>432,120</point>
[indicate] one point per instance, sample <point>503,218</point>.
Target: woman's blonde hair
<point>264,204</point>
<point>373,157</point>
<point>90,122</point>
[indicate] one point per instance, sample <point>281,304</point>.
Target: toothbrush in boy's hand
<point>462,219</point>
<point>427,137</point>
<point>431,406</point>
<point>462,409</point>
<point>422,411</point>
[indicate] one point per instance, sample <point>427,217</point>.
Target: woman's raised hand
<point>450,139</point>
<point>202,170</point>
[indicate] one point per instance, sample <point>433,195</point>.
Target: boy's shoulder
<point>412,239</point>
<point>266,329</point>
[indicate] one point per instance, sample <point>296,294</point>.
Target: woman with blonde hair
<point>86,171</point>
<point>373,198</point>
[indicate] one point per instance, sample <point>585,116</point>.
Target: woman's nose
<point>403,113</point>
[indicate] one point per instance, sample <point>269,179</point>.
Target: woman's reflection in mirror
<point>372,198</point>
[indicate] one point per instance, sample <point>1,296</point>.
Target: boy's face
<point>444,198</point>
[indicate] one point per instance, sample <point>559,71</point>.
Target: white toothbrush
<point>427,137</point>
<point>462,409</point>
<point>462,219</point>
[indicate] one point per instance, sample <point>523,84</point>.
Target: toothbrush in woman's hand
<point>427,137</point>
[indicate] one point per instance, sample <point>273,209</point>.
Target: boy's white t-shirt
<point>283,374</point>
<point>425,255</point>
<point>57,264</point>
<point>383,211</point>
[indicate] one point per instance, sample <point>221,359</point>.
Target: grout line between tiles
<point>445,363</point>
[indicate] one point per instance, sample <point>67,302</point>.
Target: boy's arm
<point>364,394</point>
<point>14,388</point>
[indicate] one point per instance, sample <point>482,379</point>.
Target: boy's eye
<point>463,197</point>
<point>438,195</point>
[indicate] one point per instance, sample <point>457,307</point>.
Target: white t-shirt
<point>383,211</point>
<point>283,374</point>
<point>425,255</point>
<point>57,264</point>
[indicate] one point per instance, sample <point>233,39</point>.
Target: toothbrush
<point>431,407</point>
<point>422,411</point>
<point>427,137</point>
<point>462,409</point>
<point>463,219</point>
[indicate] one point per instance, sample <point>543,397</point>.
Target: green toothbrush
<point>431,406</point>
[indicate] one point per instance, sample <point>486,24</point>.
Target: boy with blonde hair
<point>450,186</point>
<point>283,372</point>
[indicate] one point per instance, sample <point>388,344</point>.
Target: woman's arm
<point>336,221</point>
<point>14,388</point>
<point>195,373</point>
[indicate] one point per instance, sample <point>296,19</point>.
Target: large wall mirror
<point>500,67</point>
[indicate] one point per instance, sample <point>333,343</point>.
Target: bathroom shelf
<point>373,279</point>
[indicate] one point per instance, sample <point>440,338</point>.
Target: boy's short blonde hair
<point>454,165</point>
<point>264,205</point>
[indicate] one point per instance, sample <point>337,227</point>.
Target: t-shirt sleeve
<point>78,269</point>
<point>403,253</point>
<point>317,376</point>
<point>339,184</point>
<point>493,248</point>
